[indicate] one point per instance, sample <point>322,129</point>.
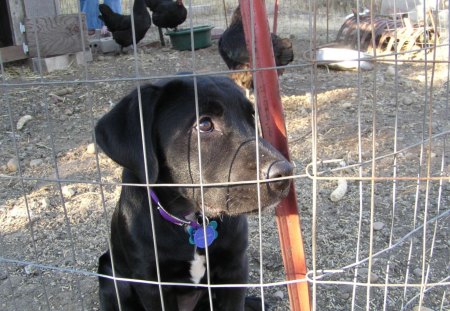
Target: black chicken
<point>233,49</point>
<point>167,14</point>
<point>120,25</point>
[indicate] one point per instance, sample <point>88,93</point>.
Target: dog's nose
<point>280,169</point>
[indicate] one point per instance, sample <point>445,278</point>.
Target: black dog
<point>228,154</point>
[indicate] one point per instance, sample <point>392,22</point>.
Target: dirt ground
<point>57,216</point>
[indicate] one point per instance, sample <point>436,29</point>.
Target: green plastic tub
<point>181,39</point>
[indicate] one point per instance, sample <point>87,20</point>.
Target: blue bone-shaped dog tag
<point>197,236</point>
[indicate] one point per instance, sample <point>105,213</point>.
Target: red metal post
<point>274,130</point>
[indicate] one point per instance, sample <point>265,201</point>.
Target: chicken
<point>167,14</point>
<point>233,49</point>
<point>120,25</point>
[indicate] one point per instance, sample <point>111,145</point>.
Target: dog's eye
<point>205,125</point>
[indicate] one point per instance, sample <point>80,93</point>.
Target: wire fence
<point>370,148</point>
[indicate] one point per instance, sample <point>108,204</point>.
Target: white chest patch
<point>198,268</point>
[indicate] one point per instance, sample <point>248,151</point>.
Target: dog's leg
<point>150,297</point>
<point>231,298</point>
<point>107,291</point>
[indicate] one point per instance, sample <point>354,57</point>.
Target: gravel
<point>72,233</point>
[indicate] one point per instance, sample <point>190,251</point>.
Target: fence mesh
<point>370,150</point>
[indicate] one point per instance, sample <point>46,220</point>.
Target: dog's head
<point>217,147</point>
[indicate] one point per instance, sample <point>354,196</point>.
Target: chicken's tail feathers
<point>107,15</point>
<point>105,12</point>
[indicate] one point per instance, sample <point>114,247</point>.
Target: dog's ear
<point>119,134</point>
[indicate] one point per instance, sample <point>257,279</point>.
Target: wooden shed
<point>35,28</point>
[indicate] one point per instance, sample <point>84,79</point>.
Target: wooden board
<point>56,35</point>
<point>12,53</point>
<point>37,8</point>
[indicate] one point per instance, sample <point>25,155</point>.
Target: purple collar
<point>200,236</point>
<point>171,218</point>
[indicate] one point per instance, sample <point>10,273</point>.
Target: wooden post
<point>16,14</point>
<point>274,130</point>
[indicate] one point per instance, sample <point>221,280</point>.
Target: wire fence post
<point>274,130</point>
